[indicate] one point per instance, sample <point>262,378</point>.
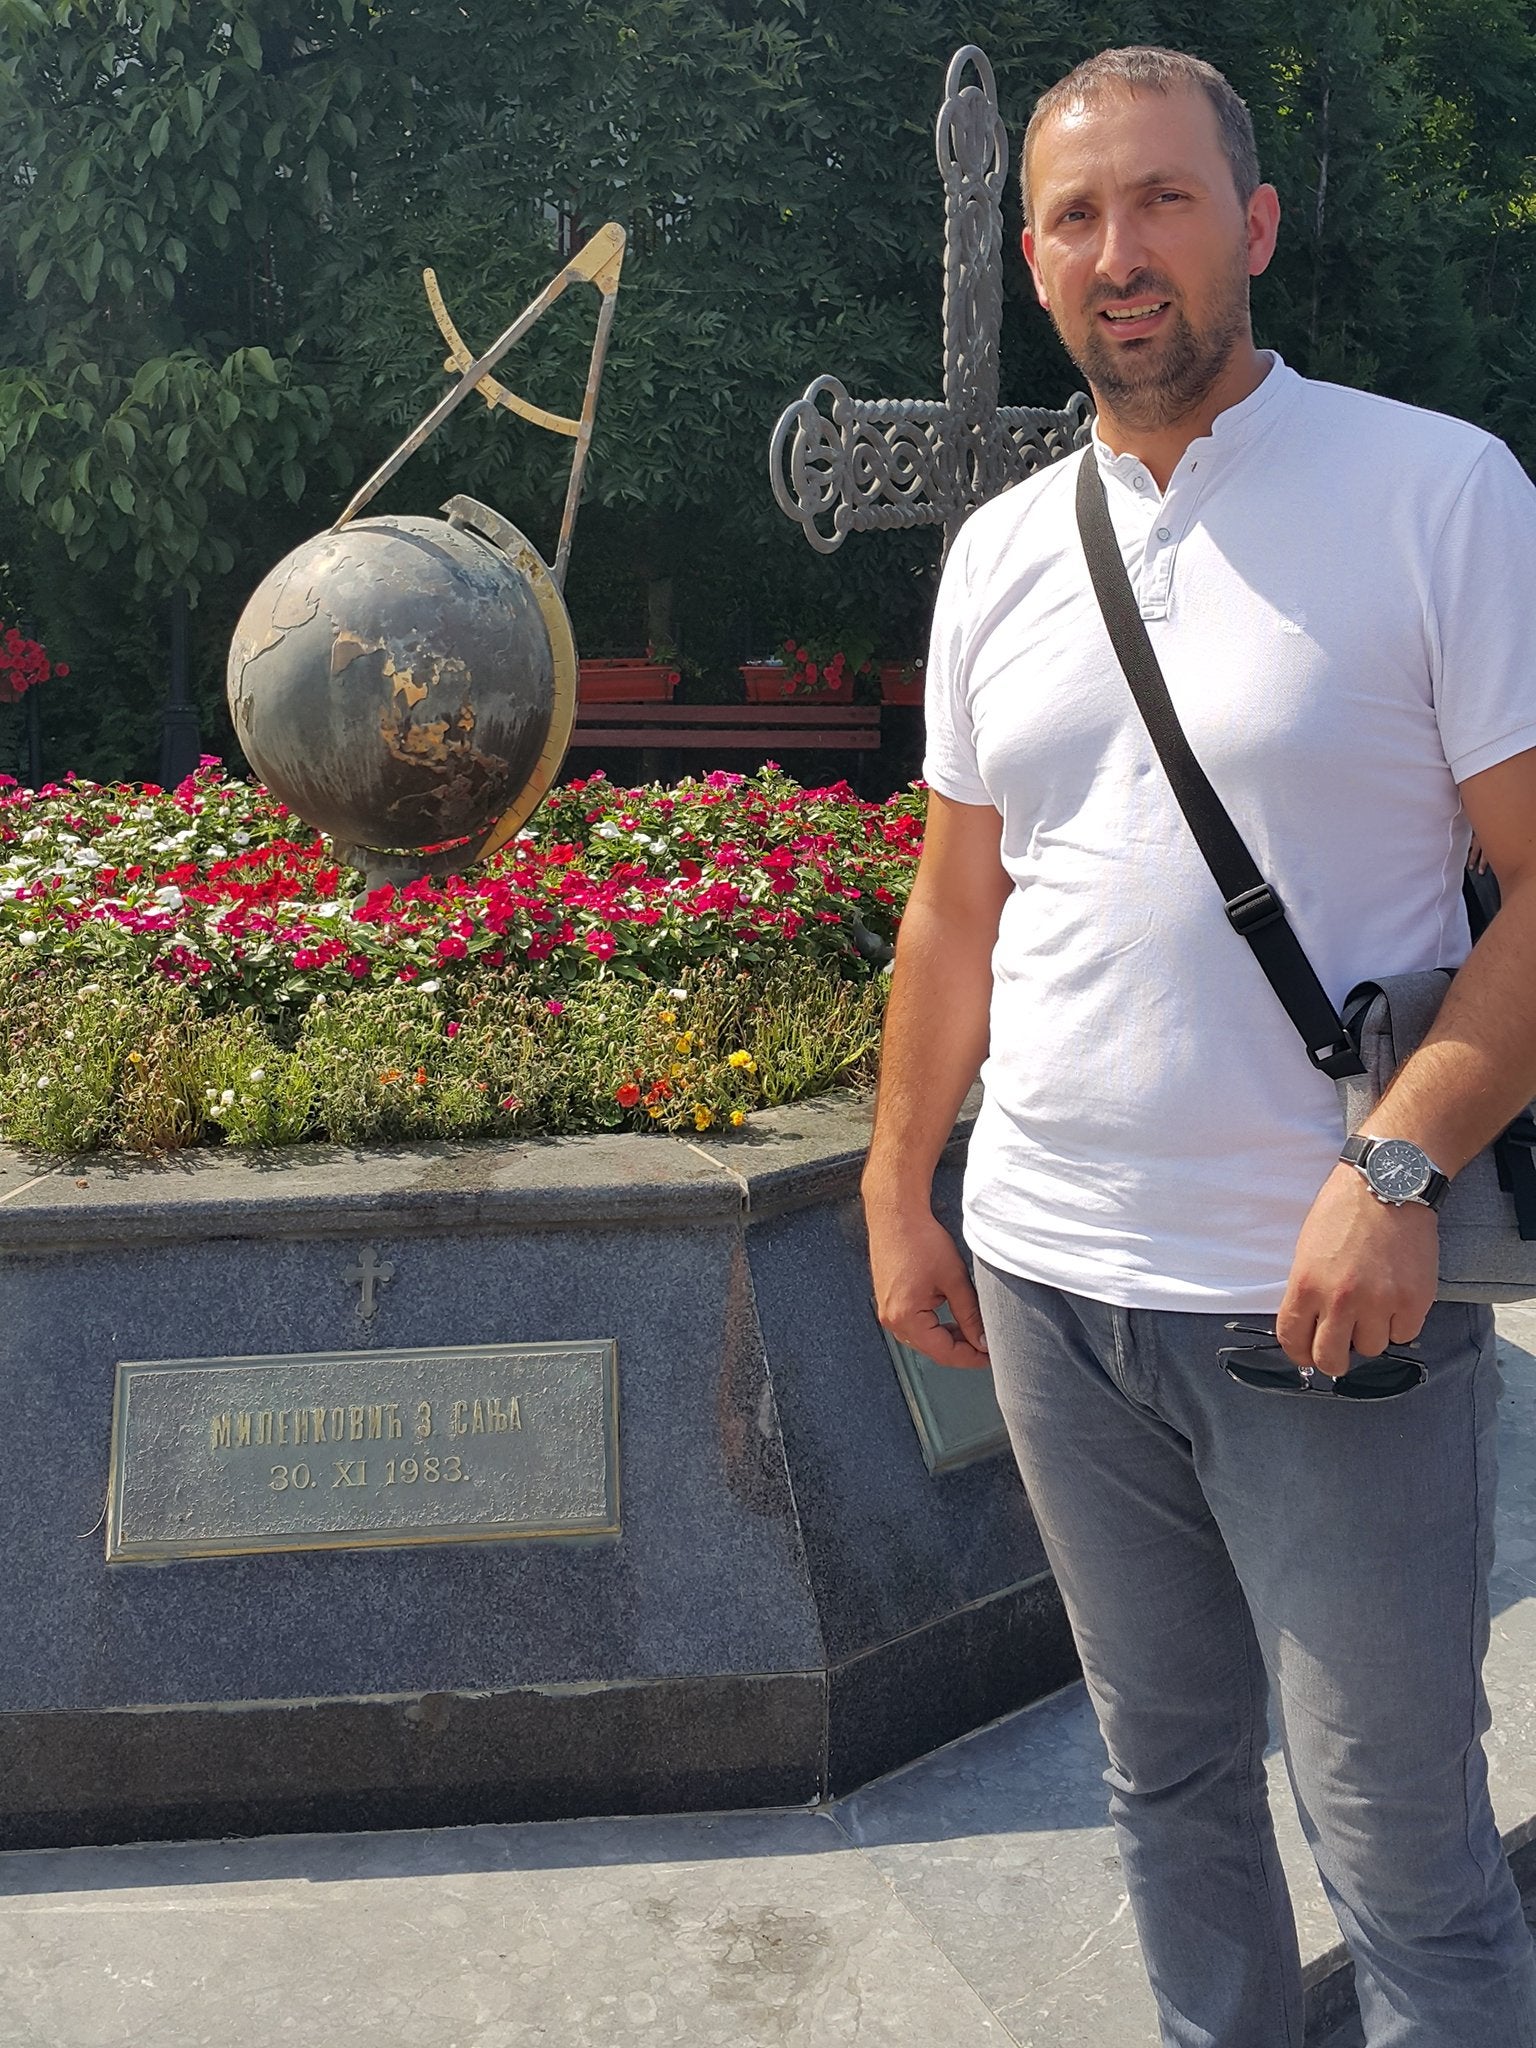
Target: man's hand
<point>917,1267</point>
<point>1364,1276</point>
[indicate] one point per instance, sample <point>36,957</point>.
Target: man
<point>1336,589</point>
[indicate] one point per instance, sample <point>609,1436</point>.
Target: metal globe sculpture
<point>407,684</point>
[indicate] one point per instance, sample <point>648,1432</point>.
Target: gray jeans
<point>1211,1540</point>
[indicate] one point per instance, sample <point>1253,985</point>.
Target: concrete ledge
<point>784,1158</point>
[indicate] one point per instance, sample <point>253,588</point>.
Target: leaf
<point>247,41</point>
<point>160,135</point>
<point>39,277</point>
<point>177,442</point>
<point>175,252</point>
<point>293,480</point>
<point>90,266</point>
<point>226,408</point>
<point>119,435</point>
<point>260,360</point>
<point>150,379</point>
<point>192,100</point>
<point>33,471</point>
<point>122,495</point>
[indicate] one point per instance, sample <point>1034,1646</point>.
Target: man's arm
<point>1364,1274</point>
<point>935,1042</point>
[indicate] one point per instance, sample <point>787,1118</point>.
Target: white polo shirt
<point>1339,590</point>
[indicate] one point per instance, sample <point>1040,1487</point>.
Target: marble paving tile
<point>731,1933</point>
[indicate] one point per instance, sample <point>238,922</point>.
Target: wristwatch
<point>1396,1170</point>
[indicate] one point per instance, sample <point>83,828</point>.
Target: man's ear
<point>1034,268</point>
<point>1263,228</point>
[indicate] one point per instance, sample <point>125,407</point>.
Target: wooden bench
<point>755,728</point>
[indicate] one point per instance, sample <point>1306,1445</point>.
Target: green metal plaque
<point>341,1450</point>
<point>954,1409</point>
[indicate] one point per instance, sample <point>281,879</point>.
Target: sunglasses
<point>1380,1378</point>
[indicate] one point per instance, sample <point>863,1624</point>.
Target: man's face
<point>1141,250</point>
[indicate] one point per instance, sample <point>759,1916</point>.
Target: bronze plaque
<point>342,1450</point>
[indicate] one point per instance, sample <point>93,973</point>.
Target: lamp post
<point>181,746</point>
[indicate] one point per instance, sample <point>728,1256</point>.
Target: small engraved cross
<point>370,1275</point>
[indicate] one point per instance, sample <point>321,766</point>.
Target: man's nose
<point>1122,248</point>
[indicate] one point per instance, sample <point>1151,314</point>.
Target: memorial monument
<point>466,1483</point>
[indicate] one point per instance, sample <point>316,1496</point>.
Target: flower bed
<point>188,966</point>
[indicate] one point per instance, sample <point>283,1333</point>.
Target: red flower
<point>600,944</point>
<point>627,1095</point>
<point>451,948</point>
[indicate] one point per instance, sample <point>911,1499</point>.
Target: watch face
<point>1397,1170</point>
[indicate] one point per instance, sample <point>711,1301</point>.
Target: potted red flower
<point>23,665</point>
<point>824,669</point>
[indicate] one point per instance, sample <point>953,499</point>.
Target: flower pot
<point>899,684</point>
<point>769,682</point>
<point>626,682</point>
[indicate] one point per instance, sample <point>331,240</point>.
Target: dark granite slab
<point>443,1760</point>
<point>786,1564</point>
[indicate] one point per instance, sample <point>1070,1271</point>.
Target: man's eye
<point>1169,195</point>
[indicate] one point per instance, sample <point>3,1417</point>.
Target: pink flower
<point>555,1009</point>
<point>451,948</point>
<point>450,1029</point>
<point>600,944</point>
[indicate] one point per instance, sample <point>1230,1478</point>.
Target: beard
<point>1156,382</point>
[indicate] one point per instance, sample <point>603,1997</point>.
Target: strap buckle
<point>1254,909</point>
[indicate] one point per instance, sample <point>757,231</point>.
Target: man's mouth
<point>1138,318</point>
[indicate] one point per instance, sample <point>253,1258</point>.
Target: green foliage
<point>213,220</point>
<point>167,192</point>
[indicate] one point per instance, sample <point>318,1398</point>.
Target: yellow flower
<point>655,1110</point>
<point>685,1043</point>
<point>702,1117</point>
<point>669,1016</point>
<point>744,1060</point>
<point>676,1073</point>
<point>136,1059</point>
<point>738,1117</point>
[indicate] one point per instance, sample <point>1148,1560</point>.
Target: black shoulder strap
<point>1253,908</point>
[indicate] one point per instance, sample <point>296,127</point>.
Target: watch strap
<point>1357,1149</point>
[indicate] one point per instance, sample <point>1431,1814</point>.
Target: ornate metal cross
<point>370,1273</point>
<point>899,462</point>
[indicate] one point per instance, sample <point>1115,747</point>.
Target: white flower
<point>326,909</point>
<point>227,1098</point>
<point>607,832</point>
<point>429,988</point>
<point>258,1073</point>
<point>45,1081</point>
<point>170,897</point>
<point>30,938</point>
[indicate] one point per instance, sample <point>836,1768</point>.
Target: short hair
<point>1144,68</point>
